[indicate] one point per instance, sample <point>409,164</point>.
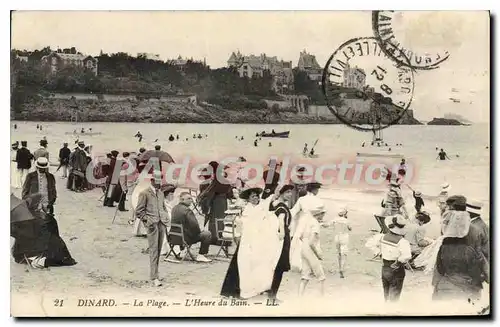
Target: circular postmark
<point>387,25</point>
<point>364,88</point>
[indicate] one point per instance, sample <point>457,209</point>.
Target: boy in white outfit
<point>341,239</point>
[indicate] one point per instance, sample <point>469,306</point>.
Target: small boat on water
<point>83,134</point>
<point>274,134</point>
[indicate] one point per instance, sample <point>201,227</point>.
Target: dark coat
<point>182,214</point>
<point>31,186</point>
<point>23,158</point>
<point>479,236</point>
<point>460,270</point>
<point>64,156</point>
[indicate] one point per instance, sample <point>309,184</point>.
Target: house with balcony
<point>57,60</point>
<point>255,66</point>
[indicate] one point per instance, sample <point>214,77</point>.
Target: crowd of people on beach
<point>292,212</point>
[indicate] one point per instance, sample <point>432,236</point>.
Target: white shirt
<point>400,251</point>
<point>341,225</point>
<point>305,205</point>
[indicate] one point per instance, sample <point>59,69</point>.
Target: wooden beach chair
<point>225,236</point>
<point>176,237</point>
<point>194,194</point>
<point>381,222</point>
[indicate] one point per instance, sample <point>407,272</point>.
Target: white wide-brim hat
<point>42,162</point>
<point>445,187</point>
<point>397,225</point>
<point>474,206</point>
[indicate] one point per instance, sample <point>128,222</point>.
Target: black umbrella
<point>22,210</point>
<point>161,155</point>
<point>25,223</point>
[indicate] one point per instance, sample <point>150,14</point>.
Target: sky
<point>214,35</point>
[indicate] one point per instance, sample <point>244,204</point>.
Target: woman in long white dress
<point>251,270</point>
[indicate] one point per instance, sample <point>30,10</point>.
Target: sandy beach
<point>111,265</point>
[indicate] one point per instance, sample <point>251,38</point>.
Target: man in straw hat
<point>151,210</point>
<point>395,251</point>
<point>43,182</point>
<point>479,233</point>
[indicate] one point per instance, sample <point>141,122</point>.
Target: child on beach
<point>341,238</point>
<point>311,252</point>
<point>443,196</point>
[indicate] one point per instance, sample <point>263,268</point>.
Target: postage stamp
<point>364,87</point>
<point>387,24</point>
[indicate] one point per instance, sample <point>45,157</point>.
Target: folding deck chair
<point>176,237</point>
<point>381,222</point>
<point>225,236</point>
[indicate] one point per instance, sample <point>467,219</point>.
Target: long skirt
<point>455,288</point>
<point>46,243</point>
<point>231,284</point>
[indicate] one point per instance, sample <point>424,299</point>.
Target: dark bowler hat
<point>43,142</point>
<point>141,150</point>
<point>457,202</point>
<point>313,186</point>
<point>423,217</point>
<point>168,188</point>
<point>126,154</point>
<point>286,188</point>
<point>115,153</point>
<point>24,143</point>
<point>245,194</point>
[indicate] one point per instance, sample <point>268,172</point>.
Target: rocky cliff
<point>444,121</point>
<point>50,109</point>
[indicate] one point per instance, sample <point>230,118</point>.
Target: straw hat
<point>42,163</point>
<point>474,206</point>
<point>398,225</point>
<point>342,212</point>
<point>245,194</point>
<point>445,187</point>
<point>418,193</point>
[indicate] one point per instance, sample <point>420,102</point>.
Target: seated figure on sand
<point>415,233</point>
<point>183,215</point>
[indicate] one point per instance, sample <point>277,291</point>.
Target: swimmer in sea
<point>442,155</point>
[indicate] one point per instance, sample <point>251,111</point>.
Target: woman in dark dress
<point>38,240</point>
<point>282,211</point>
<point>213,199</point>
